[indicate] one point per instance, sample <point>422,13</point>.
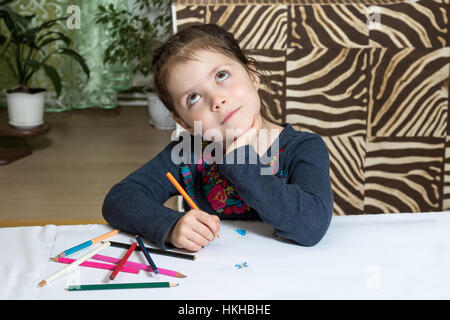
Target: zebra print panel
<point>273,97</point>
<point>327,26</point>
<point>408,95</point>
<point>190,15</point>
<point>403,175</point>
<point>347,177</point>
<point>371,77</point>
<point>255,27</point>
<point>326,90</point>
<point>423,24</point>
<point>290,2</point>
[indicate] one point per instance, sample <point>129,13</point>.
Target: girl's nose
<point>218,102</point>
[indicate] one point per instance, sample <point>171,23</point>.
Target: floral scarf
<point>220,193</point>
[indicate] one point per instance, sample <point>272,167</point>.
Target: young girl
<point>203,77</point>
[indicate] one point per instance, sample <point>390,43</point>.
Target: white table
<point>389,256</point>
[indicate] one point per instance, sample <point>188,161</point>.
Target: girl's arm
<point>300,209</point>
<point>135,204</point>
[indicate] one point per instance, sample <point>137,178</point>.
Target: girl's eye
<point>220,76</point>
<point>192,101</point>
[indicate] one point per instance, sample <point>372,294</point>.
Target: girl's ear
<point>183,124</point>
<point>254,75</point>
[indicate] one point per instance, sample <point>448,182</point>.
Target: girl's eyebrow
<point>213,70</point>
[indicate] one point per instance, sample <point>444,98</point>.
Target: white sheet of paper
<point>401,256</point>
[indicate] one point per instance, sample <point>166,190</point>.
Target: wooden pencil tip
<point>54,259</point>
<point>180,275</point>
<point>173,284</point>
<point>42,283</point>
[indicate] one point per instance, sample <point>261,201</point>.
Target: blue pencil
<point>75,249</point>
<point>87,243</point>
<point>146,254</point>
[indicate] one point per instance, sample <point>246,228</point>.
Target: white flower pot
<point>160,117</point>
<point>25,110</point>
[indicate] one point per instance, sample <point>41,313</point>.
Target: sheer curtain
<point>90,41</point>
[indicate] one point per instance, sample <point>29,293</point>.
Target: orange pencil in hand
<point>181,190</point>
<point>183,193</point>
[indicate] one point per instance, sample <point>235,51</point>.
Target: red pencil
<point>122,262</point>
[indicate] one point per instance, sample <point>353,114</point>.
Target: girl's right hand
<point>194,230</point>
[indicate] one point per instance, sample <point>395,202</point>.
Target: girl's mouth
<point>230,115</point>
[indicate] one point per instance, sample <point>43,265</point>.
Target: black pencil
<point>156,251</point>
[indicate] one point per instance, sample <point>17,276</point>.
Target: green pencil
<point>108,286</point>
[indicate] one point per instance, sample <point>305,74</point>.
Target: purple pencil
<point>136,265</point>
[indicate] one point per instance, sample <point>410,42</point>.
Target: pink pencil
<point>96,265</point>
<point>139,266</point>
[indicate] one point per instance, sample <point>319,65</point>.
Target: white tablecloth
<point>389,256</point>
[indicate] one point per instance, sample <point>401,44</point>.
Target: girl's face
<point>210,89</point>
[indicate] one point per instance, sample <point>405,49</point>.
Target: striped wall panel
<point>371,77</point>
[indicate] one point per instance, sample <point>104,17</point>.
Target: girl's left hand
<point>250,136</point>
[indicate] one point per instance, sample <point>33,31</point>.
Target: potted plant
<point>26,49</point>
<point>135,34</point>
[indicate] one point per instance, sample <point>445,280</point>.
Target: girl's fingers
<point>210,221</point>
<point>198,239</point>
<point>203,230</point>
<point>190,245</point>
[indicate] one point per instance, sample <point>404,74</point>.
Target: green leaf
<point>34,65</point>
<point>14,21</point>
<point>76,57</point>
<point>54,77</point>
<point>62,37</point>
<point>45,42</point>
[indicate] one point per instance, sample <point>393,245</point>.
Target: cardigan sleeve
<point>299,209</point>
<point>135,205</point>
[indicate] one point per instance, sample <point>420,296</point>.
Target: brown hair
<point>182,47</point>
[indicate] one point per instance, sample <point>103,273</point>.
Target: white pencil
<point>74,264</point>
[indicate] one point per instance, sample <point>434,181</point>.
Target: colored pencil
<point>181,190</point>
<point>73,265</point>
<point>183,193</point>
<point>140,266</point>
<point>155,251</point>
<point>122,262</point>
<point>108,286</point>
<point>87,243</point>
<point>147,255</point>
<point>97,265</point>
